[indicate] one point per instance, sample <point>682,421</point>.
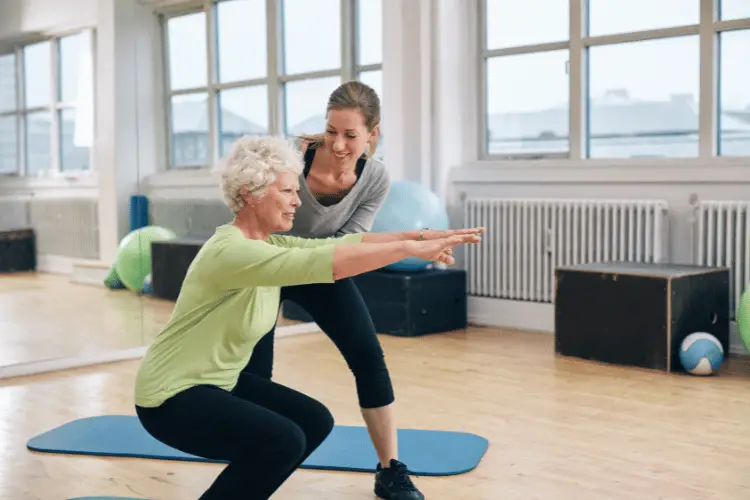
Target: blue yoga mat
<point>347,448</point>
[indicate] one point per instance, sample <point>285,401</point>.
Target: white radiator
<point>66,227</point>
<point>526,239</point>
<point>724,240</point>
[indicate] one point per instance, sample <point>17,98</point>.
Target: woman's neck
<point>324,162</point>
<point>249,225</point>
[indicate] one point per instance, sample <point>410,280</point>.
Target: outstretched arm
<point>287,241</point>
<point>418,235</point>
<point>351,260</point>
<point>244,263</point>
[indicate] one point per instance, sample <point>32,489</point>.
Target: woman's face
<point>347,136</point>
<point>275,209</point>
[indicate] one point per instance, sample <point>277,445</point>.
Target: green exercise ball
<point>743,318</point>
<point>133,261</point>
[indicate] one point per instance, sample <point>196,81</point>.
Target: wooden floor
<point>558,428</point>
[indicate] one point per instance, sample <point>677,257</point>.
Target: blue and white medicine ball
<point>701,353</point>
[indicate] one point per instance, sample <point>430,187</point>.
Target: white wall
<point>130,137</point>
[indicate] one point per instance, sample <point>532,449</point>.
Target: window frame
<point>274,80</point>
<point>708,30</point>
<point>55,106</point>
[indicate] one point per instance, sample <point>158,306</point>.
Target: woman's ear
<point>245,195</point>
<point>372,142</point>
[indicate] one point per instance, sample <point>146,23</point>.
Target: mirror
<point>50,215</point>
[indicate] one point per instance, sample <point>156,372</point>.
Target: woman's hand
<point>434,234</point>
<point>441,249</point>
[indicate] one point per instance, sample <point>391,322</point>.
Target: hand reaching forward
<point>437,234</point>
<point>441,250</point>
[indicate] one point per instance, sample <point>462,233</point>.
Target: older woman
<point>190,391</point>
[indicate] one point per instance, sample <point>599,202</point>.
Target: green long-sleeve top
<point>228,301</point>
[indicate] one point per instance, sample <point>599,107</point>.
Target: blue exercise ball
<point>701,354</point>
<point>410,206</point>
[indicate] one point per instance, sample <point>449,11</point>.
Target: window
<point>8,117</point>
<point>239,67</point>
<point>643,99</point>
<point>608,17</point>
<point>622,81</point>
<point>526,78</point>
<point>517,23</point>
<point>46,106</point>
<point>370,53</point>
<point>734,94</point>
<point>528,114</point>
<point>734,9</point>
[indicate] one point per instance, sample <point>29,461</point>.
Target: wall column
<point>129,126</point>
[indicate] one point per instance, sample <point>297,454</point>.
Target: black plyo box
<point>638,314</point>
<point>408,304</point>
<point>170,261</point>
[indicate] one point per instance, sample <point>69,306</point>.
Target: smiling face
<point>275,209</point>
<point>347,137</point>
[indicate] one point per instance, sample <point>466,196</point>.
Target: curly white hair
<point>254,162</point>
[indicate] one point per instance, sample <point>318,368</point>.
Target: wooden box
<point>17,250</point>
<point>170,261</point>
<point>638,314</point>
<point>408,304</point>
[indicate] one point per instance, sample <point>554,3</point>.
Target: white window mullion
<point>55,128</point>
<point>349,40</point>
<point>275,44</point>
<point>578,82</point>
<point>212,98</point>
<point>166,64</point>
<point>708,104</point>
<point>481,43</point>
<point>20,120</point>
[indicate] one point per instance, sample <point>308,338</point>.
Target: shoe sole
<point>380,492</point>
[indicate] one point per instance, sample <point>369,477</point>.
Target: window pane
<point>38,149</point>
<point>74,155</point>
<point>8,145</point>
<point>644,99</point>
<point>37,78</point>
<point>312,35</point>
<point>734,9</point>
<point>512,23</point>
<point>241,26</point>
<point>527,103</point>
<point>369,32</point>
<point>190,130</point>
<point>71,64</point>
<point>622,16</point>
<point>242,111</point>
<point>306,100</point>
<point>375,80</point>
<point>734,94</point>
<point>7,82</point>
<point>187,51</point>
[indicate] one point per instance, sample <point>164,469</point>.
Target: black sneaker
<point>394,483</point>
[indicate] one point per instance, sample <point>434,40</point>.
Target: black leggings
<point>340,311</point>
<point>264,430</point>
